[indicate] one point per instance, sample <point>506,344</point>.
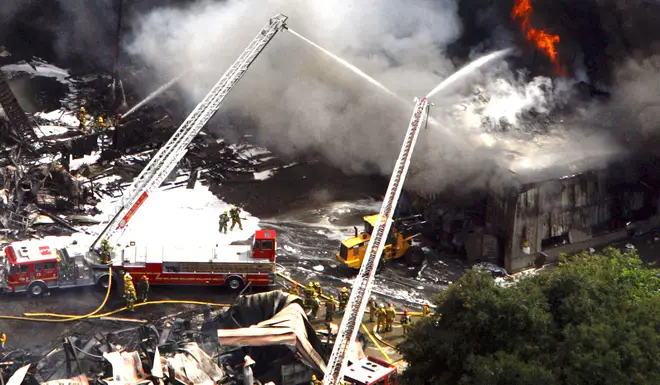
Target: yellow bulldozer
<point>399,243</point>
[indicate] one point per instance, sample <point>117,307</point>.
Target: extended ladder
<point>166,159</point>
<point>357,302</point>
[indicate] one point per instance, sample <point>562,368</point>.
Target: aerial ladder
<point>363,283</point>
<point>169,155</point>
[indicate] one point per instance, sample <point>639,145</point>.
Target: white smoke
<point>301,100</point>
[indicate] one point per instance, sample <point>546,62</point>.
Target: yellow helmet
<point>311,284</point>
<point>317,283</point>
<point>332,297</point>
<point>226,212</point>
<point>316,294</point>
<point>344,289</point>
<point>82,108</point>
<point>313,377</point>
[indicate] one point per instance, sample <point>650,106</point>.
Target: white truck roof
<point>139,254</point>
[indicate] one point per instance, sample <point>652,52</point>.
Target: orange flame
<point>546,42</point>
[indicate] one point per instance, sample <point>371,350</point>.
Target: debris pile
<point>190,347</point>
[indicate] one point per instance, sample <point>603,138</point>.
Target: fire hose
<point>69,317</point>
<point>94,314</point>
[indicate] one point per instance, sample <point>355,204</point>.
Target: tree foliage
<point>594,319</point>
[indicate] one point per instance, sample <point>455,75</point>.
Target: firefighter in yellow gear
<point>309,291</point>
<point>405,322</point>
<point>373,307</point>
<point>380,317</point>
<point>390,315</point>
<point>143,288</point>
<point>82,118</point>
<point>100,123</point>
<point>222,222</point>
<point>317,288</point>
<point>235,214</point>
<point>129,292</point>
<point>3,340</point>
<point>106,251</point>
<point>344,295</point>
<point>314,305</point>
<point>426,310</point>
<point>315,380</point>
<point>330,308</point>
<point>293,289</point>
<point>309,296</point>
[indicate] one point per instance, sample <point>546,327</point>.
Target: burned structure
<point>540,220</point>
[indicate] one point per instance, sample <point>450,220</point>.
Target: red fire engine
<point>233,265</point>
<point>35,267</point>
<point>371,371</point>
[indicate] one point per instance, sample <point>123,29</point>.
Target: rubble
<point>195,348</point>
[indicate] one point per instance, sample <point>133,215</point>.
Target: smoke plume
<point>302,101</point>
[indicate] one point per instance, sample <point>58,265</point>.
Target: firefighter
<point>426,310</point>
<point>390,315</point>
<point>380,317</point>
<point>314,305</point>
<point>82,117</point>
<point>235,214</point>
<point>106,251</point>
<point>343,298</point>
<point>315,381</point>
<point>373,307</point>
<point>143,288</point>
<point>317,288</point>
<point>405,322</point>
<point>100,124</point>
<point>293,289</point>
<point>330,308</point>
<point>222,221</point>
<point>3,340</point>
<point>309,291</point>
<point>129,291</point>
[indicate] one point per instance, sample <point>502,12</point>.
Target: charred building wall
<point>537,222</point>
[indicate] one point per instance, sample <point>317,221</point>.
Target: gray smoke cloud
<point>300,99</point>
<point>303,101</point>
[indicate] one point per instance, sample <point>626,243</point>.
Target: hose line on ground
<point>68,317</point>
<point>161,302</point>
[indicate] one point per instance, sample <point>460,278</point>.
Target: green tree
<point>594,319</point>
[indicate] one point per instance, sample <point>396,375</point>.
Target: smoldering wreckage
<point>50,187</point>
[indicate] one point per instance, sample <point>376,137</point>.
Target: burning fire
<point>522,10</point>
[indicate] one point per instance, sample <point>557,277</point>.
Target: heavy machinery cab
<point>371,371</point>
<point>399,242</point>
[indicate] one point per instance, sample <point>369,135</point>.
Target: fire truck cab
<point>35,267</point>
<point>371,371</point>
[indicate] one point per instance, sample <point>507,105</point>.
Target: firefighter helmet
<point>405,311</point>
<point>332,297</point>
<point>344,289</point>
<point>313,377</point>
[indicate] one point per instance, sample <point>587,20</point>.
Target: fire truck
<point>36,267</point>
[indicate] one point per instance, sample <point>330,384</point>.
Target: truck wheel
<point>36,289</point>
<point>104,281</point>
<point>235,283</point>
<point>415,256</point>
